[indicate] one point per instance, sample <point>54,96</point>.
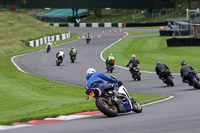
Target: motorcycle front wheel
<point>137,108</point>
<point>107,109</point>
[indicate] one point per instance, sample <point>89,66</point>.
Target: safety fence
<point>176,33</point>
<point>183,42</point>
<point>88,25</point>
<point>109,24</point>
<point>44,40</point>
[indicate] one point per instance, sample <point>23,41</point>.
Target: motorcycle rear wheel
<point>196,83</point>
<point>105,108</point>
<point>170,81</point>
<point>138,77</point>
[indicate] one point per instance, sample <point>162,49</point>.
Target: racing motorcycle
<point>110,67</point>
<point>112,102</point>
<point>88,40</point>
<point>48,48</point>
<point>59,60</point>
<point>72,58</point>
<point>135,72</point>
<point>166,77</point>
<point>193,79</point>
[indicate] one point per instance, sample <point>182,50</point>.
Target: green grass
<point>150,49</point>
<point>25,97</point>
<point>142,33</point>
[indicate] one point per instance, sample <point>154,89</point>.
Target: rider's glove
<point>126,65</point>
<point>119,82</point>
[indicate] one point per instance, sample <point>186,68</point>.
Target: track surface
<point>179,115</point>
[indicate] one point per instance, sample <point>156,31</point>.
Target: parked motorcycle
<point>193,79</point>
<point>111,103</point>
<point>48,48</point>
<point>110,67</point>
<point>59,60</point>
<point>166,77</point>
<point>135,72</point>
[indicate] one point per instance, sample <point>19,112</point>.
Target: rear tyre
<point>138,77</point>
<point>105,108</point>
<point>57,63</point>
<point>111,71</point>
<point>170,82</point>
<point>196,83</point>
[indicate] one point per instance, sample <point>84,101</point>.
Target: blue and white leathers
<point>98,77</point>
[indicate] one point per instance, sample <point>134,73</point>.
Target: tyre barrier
<point>44,40</point>
<point>174,42</point>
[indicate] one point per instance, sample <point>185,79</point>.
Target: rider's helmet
<point>183,63</point>
<point>158,62</point>
<point>133,56</point>
<point>61,49</point>
<point>91,70</point>
<point>110,54</point>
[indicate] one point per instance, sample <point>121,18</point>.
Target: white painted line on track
<point>12,59</point>
<point>69,117</point>
<point>13,127</point>
<point>170,97</point>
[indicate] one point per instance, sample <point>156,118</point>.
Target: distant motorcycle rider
<point>88,36</point>
<point>160,68</point>
<point>185,69</point>
<point>49,43</point>
<point>73,52</point>
<point>134,63</point>
<point>95,82</point>
<point>109,59</point>
<point>60,53</point>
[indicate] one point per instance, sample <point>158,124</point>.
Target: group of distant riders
<point>161,69</point>
<point>61,54</point>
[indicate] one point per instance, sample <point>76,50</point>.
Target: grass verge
<point>142,33</point>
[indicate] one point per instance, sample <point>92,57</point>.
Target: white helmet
<point>91,70</point>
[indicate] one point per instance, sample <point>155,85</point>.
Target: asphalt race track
<point>178,115</point>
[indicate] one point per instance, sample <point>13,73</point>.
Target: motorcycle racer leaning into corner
<point>95,82</point>
<point>49,43</point>
<point>134,63</point>
<point>160,67</point>
<point>185,69</point>
<point>60,53</point>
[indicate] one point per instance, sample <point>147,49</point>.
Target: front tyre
<point>137,108</point>
<point>105,108</point>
